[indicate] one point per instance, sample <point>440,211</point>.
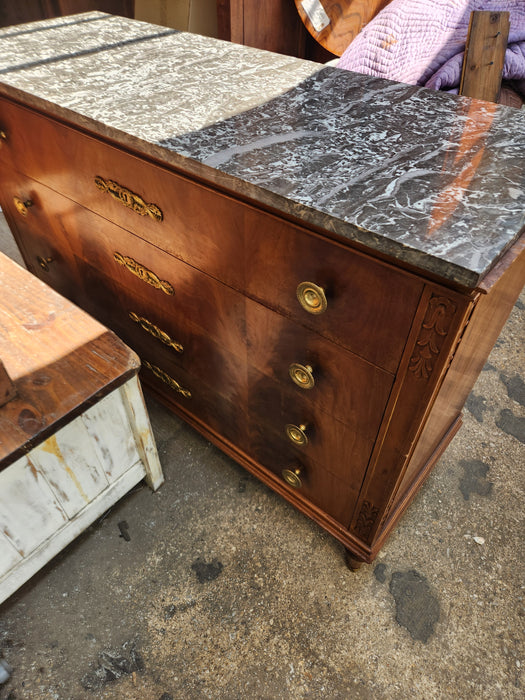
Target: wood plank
<point>273,25</point>
<point>30,512</point>
<point>9,557</point>
<point>28,566</point>
<point>69,464</point>
<point>38,325</point>
<point>53,396</point>
<point>112,437</point>
<point>484,55</point>
<point>225,19</point>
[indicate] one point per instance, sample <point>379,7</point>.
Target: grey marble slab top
<point>429,178</point>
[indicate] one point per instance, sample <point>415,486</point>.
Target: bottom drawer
<point>306,479</point>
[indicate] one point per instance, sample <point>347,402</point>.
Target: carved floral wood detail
<point>366,519</point>
<point>435,327</point>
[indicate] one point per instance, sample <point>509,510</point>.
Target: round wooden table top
<point>344,19</point>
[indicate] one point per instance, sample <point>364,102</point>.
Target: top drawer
<point>370,305</point>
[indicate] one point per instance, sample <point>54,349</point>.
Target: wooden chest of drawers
<point>333,372</point>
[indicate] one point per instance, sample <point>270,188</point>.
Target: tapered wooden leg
<point>141,427</point>
<point>352,562</point>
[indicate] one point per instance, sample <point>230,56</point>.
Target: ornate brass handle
<point>164,377</point>
<point>155,331</point>
<point>22,206</point>
<point>143,273</point>
<point>129,199</point>
<point>311,297</point>
<point>302,375</point>
<point>297,434</point>
<point>44,262</point>
<point>292,476</point>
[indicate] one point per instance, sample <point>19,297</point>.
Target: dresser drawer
<point>370,305</point>
<point>339,383</point>
<point>315,484</point>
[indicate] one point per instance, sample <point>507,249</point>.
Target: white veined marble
<point>429,178</point>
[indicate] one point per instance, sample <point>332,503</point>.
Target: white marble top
<point>429,178</point>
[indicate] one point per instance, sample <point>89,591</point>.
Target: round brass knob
<point>302,375</point>
<point>311,297</point>
<point>292,476</point>
<point>3,135</point>
<point>297,434</point>
<point>22,206</point>
<point>44,262</point>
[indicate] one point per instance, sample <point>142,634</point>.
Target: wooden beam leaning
<point>485,55</point>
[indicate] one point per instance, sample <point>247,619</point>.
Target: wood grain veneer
<point>346,19</point>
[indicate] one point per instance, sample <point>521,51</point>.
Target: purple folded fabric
<point>422,42</point>
<point>448,76</point>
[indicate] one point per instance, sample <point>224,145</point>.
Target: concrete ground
<point>224,591</point>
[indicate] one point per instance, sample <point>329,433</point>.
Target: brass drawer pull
<point>44,262</point>
<point>3,135</point>
<point>297,434</point>
<point>292,476</point>
<point>302,375</point>
<point>311,297</point>
<point>128,198</point>
<point>22,206</point>
<point>161,374</point>
<point>155,331</point>
<point>143,273</point>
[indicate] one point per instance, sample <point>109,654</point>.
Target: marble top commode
<point>432,179</point>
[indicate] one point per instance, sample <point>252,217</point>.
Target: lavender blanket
<point>422,42</point>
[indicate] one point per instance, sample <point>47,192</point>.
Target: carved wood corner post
<point>438,324</point>
<point>7,388</point>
